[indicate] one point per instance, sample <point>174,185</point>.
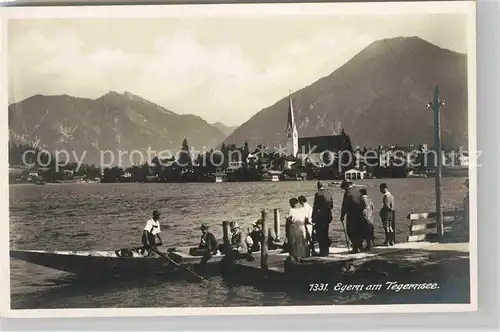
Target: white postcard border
<point>247,10</point>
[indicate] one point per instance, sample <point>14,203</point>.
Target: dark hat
<point>203,227</point>
<point>345,184</point>
<point>156,213</point>
<point>257,223</point>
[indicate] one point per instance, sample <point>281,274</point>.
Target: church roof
<point>290,124</point>
<point>322,143</point>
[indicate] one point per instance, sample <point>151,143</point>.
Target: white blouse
<point>297,215</point>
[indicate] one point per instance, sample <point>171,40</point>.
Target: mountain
<point>378,97</point>
<point>112,122</point>
<point>226,130</point>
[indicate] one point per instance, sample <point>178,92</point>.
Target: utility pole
<point>436,104</point>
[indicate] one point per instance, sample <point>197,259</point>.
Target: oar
<point>159,253</point>
<point>345,234</point>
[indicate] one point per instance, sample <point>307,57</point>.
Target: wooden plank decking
<point>338,256</point>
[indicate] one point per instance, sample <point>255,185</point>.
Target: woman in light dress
<point>309,222</point>
<point>296,220</point>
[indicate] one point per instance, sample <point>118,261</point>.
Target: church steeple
<point>291,129</point>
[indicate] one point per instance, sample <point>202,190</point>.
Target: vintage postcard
<point>239,159</point>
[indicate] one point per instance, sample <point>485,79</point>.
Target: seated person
<point>257,235</point>
<point>208,244</point>
<point>238,239</point>
<point>207,240</point>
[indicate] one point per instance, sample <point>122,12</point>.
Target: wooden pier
<point>272,266</point>
<point>279,268</point>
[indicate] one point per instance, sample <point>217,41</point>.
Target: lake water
<point>112,216</point>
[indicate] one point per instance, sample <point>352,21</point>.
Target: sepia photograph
<point>240,158</point>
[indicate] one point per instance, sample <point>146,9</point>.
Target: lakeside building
<point>233,166</point>
<point>320,151</point>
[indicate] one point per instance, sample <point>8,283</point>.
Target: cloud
<point>220,78</point>
<point>111,59</point>
<point>180,72</point>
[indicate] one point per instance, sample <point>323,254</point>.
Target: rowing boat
<point>112,261</point>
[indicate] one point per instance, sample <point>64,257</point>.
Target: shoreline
<point>256,181</point>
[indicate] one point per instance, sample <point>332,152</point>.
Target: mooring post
<point>225,236</point>
<point>437,103</point>
<point>263,247</point>
<point>277,224</point>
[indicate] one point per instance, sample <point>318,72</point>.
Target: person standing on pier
<point>151,231</point>
<point>387,215</point>
<point>309,223</point>
<point>296,220</point>
<point>353,209</point>
<point>322,217</point>
<point>368,207</point>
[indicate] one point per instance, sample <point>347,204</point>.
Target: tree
<point>157,167</point>
<point>246,151</point>
<point>223,149</point>
<point>216,159</point>
<point>112,174</point>
<point>347,157</point>
<point>200,158</point>
<point>347,141</point>
<point>185,145</point>
<point>225,153</point>
<point>144,172</point>
<point>278,162</point>
<point>184,156</point>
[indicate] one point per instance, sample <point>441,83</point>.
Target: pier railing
<point>423,226</point>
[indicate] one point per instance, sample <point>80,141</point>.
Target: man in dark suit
<point>322,217</point>
<point>353,209</point>
<point>207,240</point>
<point>208,244</point>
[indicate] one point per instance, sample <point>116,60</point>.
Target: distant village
<point>257,166</point>
<point>330,157</point>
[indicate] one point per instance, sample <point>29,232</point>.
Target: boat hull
<point>110,263</point>
<point>89,262</point>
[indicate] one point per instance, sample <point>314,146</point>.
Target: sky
<point>223,69</point>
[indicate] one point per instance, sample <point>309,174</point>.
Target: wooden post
<point>437,137</point>
<point>277,224</point>
<point>225,236</point>
<point>263,247</point>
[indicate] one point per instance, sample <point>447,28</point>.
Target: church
<point>317,150</point>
